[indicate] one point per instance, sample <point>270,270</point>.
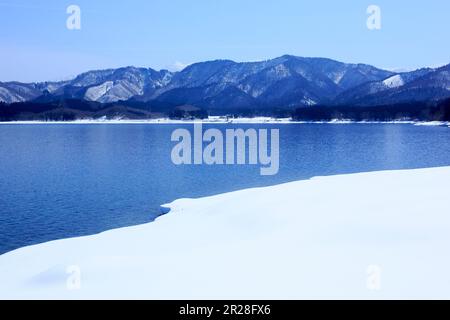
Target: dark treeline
<point>71,109</point>
<point>410,111</point>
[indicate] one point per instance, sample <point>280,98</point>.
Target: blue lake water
<point>59,181</point>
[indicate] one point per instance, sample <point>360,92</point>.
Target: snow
<point>217,120</point>
<point>394,81</point>
<point>379,235</point>
<point>308,101</point>
<point>6,96</point>
<point>279,72</point>
<point>433,123</point>
<point>122,90</point>
<point>337,76</point>
<point>156,121</point>
<point>9,96</point>
<point>95,93</point>
<point>165,80</point>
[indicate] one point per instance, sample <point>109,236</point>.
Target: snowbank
<point>370,235</point>
<point>433,123</point>
<point>223,120</point>
<point>212,120</point>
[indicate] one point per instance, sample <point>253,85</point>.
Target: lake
<point>67,180</point>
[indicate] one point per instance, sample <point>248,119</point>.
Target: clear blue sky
<point>36,45</point>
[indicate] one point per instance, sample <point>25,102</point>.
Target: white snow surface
<point>217,120</point>
<point>8,96</point>
<point>95,93</point>
<point>394,81</point>
<point>316,238</point>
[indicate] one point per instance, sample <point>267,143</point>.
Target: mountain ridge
<point>286,82</point>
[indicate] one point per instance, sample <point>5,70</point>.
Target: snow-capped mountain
<point>394,81</point>
<point>420,85</point>
<point>287,81</point>
<point>284,81</point>
<point>20,92</point>
<point>114,84</point>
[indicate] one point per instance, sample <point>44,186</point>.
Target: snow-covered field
<point>213,120</point>
<point>224,120</point>
<point>370,235</point>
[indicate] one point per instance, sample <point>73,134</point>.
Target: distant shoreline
<point>220,120</point>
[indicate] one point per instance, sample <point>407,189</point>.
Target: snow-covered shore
<point>223,120</point>
<point>369,235</point>
<point>213,120</point>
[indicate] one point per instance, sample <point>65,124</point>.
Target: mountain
<point>420,85</point>
<point>114,85</point>
<point>284,82</point>
<point>19,92</point>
